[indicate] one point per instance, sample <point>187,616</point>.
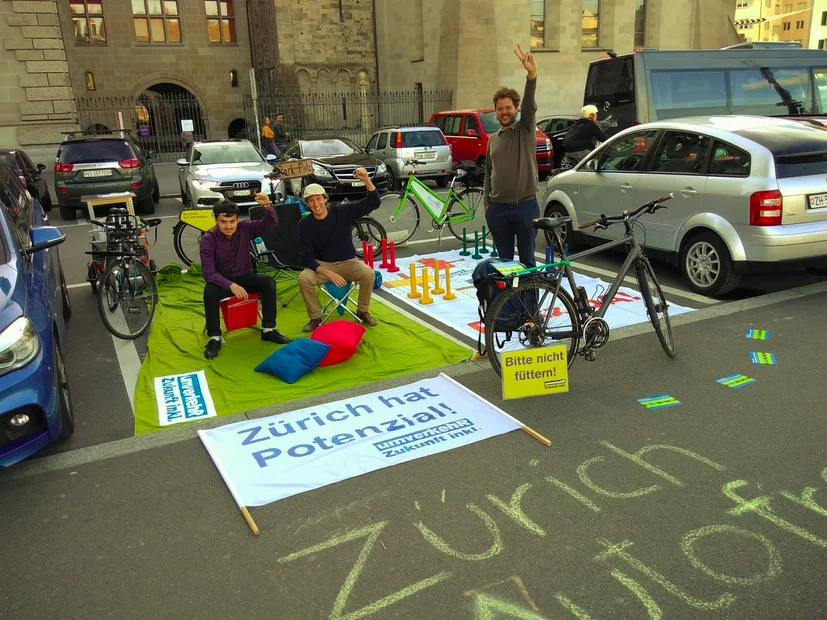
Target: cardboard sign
<point>535,372</point>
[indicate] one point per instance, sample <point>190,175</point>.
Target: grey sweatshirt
<point>511,159</point>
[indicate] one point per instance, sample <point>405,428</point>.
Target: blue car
<point>35,404</point>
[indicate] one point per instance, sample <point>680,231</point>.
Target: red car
<point>467,133</point>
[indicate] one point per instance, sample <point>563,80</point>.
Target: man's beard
<point>509,122</point>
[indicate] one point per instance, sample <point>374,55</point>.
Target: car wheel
<point>46,201</point>
<point>707,265</point>
<point>68,212</point>
<point>156,191</point>
<point>392,182</point>
<point>67,412</point>
<point>146,206</point>
<point>183,195</point>
<point>442,182</point>
<point>481,162</point>
<point>64,293</point>
<point>555,209</point>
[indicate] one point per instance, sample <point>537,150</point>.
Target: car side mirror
<point>44,237</point>
<point>41,167</point>
<point>270,157</point>
<point>181,162</point>
<point>592,165</point>
<point>471,133</point>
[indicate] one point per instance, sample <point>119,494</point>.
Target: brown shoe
<point>366,318</point>
<point>313,324</point>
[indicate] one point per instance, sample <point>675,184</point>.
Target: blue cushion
<point>294,359</point>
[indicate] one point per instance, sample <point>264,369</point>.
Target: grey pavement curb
<point>159,439</point>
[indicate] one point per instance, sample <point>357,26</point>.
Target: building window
<point>821,44</point>
<point>778,9</point>
<point>87,21</point>
<point>538,23</point>
<point>788,8</point>
<point>233,78</point>
<point>742,4</point>
<point>802,6</point>
<point>156,21</point>
<point>786,26</point>
<point>799,24</point>
<point>220,21</point>
<point>89,78</point>
<point>590,23</point>
<point>824,18</point>
<point>640,24</point>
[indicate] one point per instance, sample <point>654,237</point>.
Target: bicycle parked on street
<point>122,274</point>
<point>460,211</point>
<point>534,310</point>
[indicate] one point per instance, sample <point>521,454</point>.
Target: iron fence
<point>350,115</point>
<point>157,121</point>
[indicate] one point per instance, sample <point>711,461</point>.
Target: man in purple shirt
<point>228,270</point>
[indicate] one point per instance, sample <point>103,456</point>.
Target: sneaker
<point>212,349</point>
<point>366,318</point>
<point>313,324</point>
<point>275,336</point>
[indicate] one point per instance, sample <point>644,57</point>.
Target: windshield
<point>490,122</point>
<point>95,151</point>
<point>9,159</point>
<point>422,138</point>
<point>762,91</point>
<point>210,154</point>
<point>329,148</point>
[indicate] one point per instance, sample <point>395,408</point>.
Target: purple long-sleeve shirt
<point>224,259</point>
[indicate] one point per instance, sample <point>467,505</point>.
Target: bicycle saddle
<point>153,222</point>
<point>549,223</point>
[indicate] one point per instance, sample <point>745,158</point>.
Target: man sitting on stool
<point>326,244</point>
<point>228,269</point>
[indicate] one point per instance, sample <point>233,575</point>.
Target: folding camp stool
<point>288,272</point>
<point>336,303</point>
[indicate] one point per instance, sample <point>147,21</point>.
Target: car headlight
<point>203,185</point>
<point>321,171</point>
<point>19,345</point>
<point>381,169</point>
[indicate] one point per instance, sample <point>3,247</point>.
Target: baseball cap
<point>314,189</point>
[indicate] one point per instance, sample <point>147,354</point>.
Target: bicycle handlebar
<point>651,206</point>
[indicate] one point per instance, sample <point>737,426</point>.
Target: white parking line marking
<point>633,281</point>
<point>128,359</point>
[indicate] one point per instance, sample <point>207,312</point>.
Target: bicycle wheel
<point>186,240</point>
<point>656,306</point>
<point>127,298</point>
<point>530,316</point>
<point>402,227</point>
<point>367,229</point>
<point>468,222</point>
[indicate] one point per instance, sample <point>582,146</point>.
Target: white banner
<point>272,458</point>
<point>627,308</point>
<point>183,398</point>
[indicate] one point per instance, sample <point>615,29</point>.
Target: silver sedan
<point>232,164</point>
<point>750,194</point>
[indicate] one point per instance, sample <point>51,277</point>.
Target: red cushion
<point>343,338</point>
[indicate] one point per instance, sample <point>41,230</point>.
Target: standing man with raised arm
<point>510,188</point>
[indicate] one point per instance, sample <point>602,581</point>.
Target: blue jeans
<point>509,221</point>
<point>270,148</point>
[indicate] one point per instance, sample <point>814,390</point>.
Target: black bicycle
<point>535,310</point>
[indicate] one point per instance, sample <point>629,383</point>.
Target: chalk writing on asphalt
<point>628,562</point>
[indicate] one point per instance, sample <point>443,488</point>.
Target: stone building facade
<point>466,45</point>
<point>36,101</point>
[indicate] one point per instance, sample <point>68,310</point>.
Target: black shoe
<point>212,349</point>
<point>275,336</point>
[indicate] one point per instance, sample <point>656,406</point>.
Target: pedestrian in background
<point>510,187</point>
<point>267,138</point>
<point>282,137</point>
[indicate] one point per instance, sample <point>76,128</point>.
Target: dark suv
<point>89,164</point>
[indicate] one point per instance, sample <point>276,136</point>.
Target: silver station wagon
<point>749,193</point>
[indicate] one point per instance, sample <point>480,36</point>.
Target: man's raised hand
<point>528,61</point>
<point>361,174</point>
<point>263,200</point>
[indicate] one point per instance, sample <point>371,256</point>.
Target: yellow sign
<point>202,219</point>
<point>535,372</point>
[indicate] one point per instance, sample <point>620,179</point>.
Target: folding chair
<point>338,298</point>
<point>282,243</point>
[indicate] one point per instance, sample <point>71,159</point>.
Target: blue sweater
<point>330,240</point>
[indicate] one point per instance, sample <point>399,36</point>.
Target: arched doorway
<point>238,129</point>
<point>167,118</point>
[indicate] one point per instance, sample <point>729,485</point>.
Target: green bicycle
<point>461,211</point>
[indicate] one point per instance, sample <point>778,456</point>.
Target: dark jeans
<point>270,148</point>
<point>259,283</point>
<point>514,220</point>
<point>281,147</point>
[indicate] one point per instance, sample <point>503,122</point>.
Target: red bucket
<point>239,314</point>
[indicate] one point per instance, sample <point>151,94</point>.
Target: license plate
<point>358,184</point>
<point>425,155</point>
<point>97,173</point>
<point>242,192</point>
<point>817,201</point>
